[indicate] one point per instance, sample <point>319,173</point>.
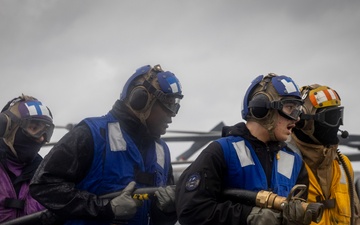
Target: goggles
<point>288,108</point>
<point>36,128</point>
<point>332,116</point>
<point>171,102</point>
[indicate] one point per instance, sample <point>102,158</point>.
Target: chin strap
<point>270,124</point>
<point>144,114</point>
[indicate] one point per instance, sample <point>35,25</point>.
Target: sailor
<point>121,150</point>
<point>251,156</point>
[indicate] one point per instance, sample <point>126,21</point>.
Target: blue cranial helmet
<point>272,92</point>
<point>152,83</point>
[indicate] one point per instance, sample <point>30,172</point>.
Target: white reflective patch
<point>320,97</point>
<point>332,94</point>
<point>289,86</point>
<point>116,139</point>
<point>343,175</point>
<point>174,88</point>
<point>285,164</point>
<point>160,155</point>
<point>37,110</point>
<point>243,153</point>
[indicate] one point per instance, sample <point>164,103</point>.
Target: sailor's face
<point>283,127</point>
<point>158,120</point>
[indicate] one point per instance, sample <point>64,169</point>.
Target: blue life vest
<point>245,170</point>
<point>115,158</point>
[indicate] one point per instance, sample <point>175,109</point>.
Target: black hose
<point>350,186</point>
<point>39,217</point>
<point>245,196</point>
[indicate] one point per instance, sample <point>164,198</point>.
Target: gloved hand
<point>124,206</point>
<point>263,216</point>
<point>166,198</point>
<point>295,214</point>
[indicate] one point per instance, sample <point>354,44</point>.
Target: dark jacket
<point>68,163</point>
<point>198,191</point>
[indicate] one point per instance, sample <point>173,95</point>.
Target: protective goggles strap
<point>321,117</point>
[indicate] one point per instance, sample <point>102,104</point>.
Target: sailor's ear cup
<point>138,98</point>
<point>257,106</point>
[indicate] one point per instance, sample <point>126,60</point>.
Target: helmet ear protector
<point>139,97</point>
<point>258,106</point>
<point>142,94</point>
<point>5,120</point>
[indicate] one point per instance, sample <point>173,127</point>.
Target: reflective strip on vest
<point>116,139</point>
<point>343,176</point>
<point>243,153</point>
<point>160,154</point>
<point>285,164</point>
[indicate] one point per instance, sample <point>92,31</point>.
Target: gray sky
<point>75,55</point>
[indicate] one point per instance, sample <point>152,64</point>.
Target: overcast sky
<point>76,55</point>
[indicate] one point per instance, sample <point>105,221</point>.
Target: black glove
<point>263,216</point>
<point>295,214</point>
<point>166,199</point>
<point>124,206</point>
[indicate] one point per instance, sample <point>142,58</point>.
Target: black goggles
<point>332,116</point>
<point>288,108</point>
<point>171,102</point>
<point>36,128</point>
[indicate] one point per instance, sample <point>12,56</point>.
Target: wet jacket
<point>15,199</point>
<point>328,182</point>
<point>199,189</point>
<point>65,182</point>
<point>245,171</point>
